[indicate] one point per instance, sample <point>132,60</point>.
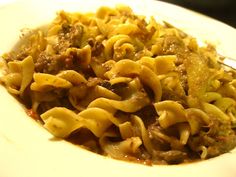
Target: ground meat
<point>215,145</point>
<point>173,45</point>
<point>53,64</point>
<point>119,88</point>
<point>148,114</point>
<point>97,47</point>
<point>69,36</point>
<point>49,64</point>
<point>76,34</point>
<point>106,84</point>
<point>168,94</point>
<point>86,139</point>
<point>62,45</point>
<point>222,145</point>
<point>143,33</point>
<point>171,157</point>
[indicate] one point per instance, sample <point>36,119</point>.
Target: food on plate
<point>124,86</point>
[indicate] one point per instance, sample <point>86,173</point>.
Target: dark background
<point>223,10</point>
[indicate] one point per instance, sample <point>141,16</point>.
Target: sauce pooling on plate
<point>125,87</point>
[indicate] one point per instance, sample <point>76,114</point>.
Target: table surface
<point>226,14</point>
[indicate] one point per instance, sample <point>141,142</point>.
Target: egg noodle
<point>125,87</point>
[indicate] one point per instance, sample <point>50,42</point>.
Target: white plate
<point>28,150</point>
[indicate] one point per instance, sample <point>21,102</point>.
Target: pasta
<point>125,87</point>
